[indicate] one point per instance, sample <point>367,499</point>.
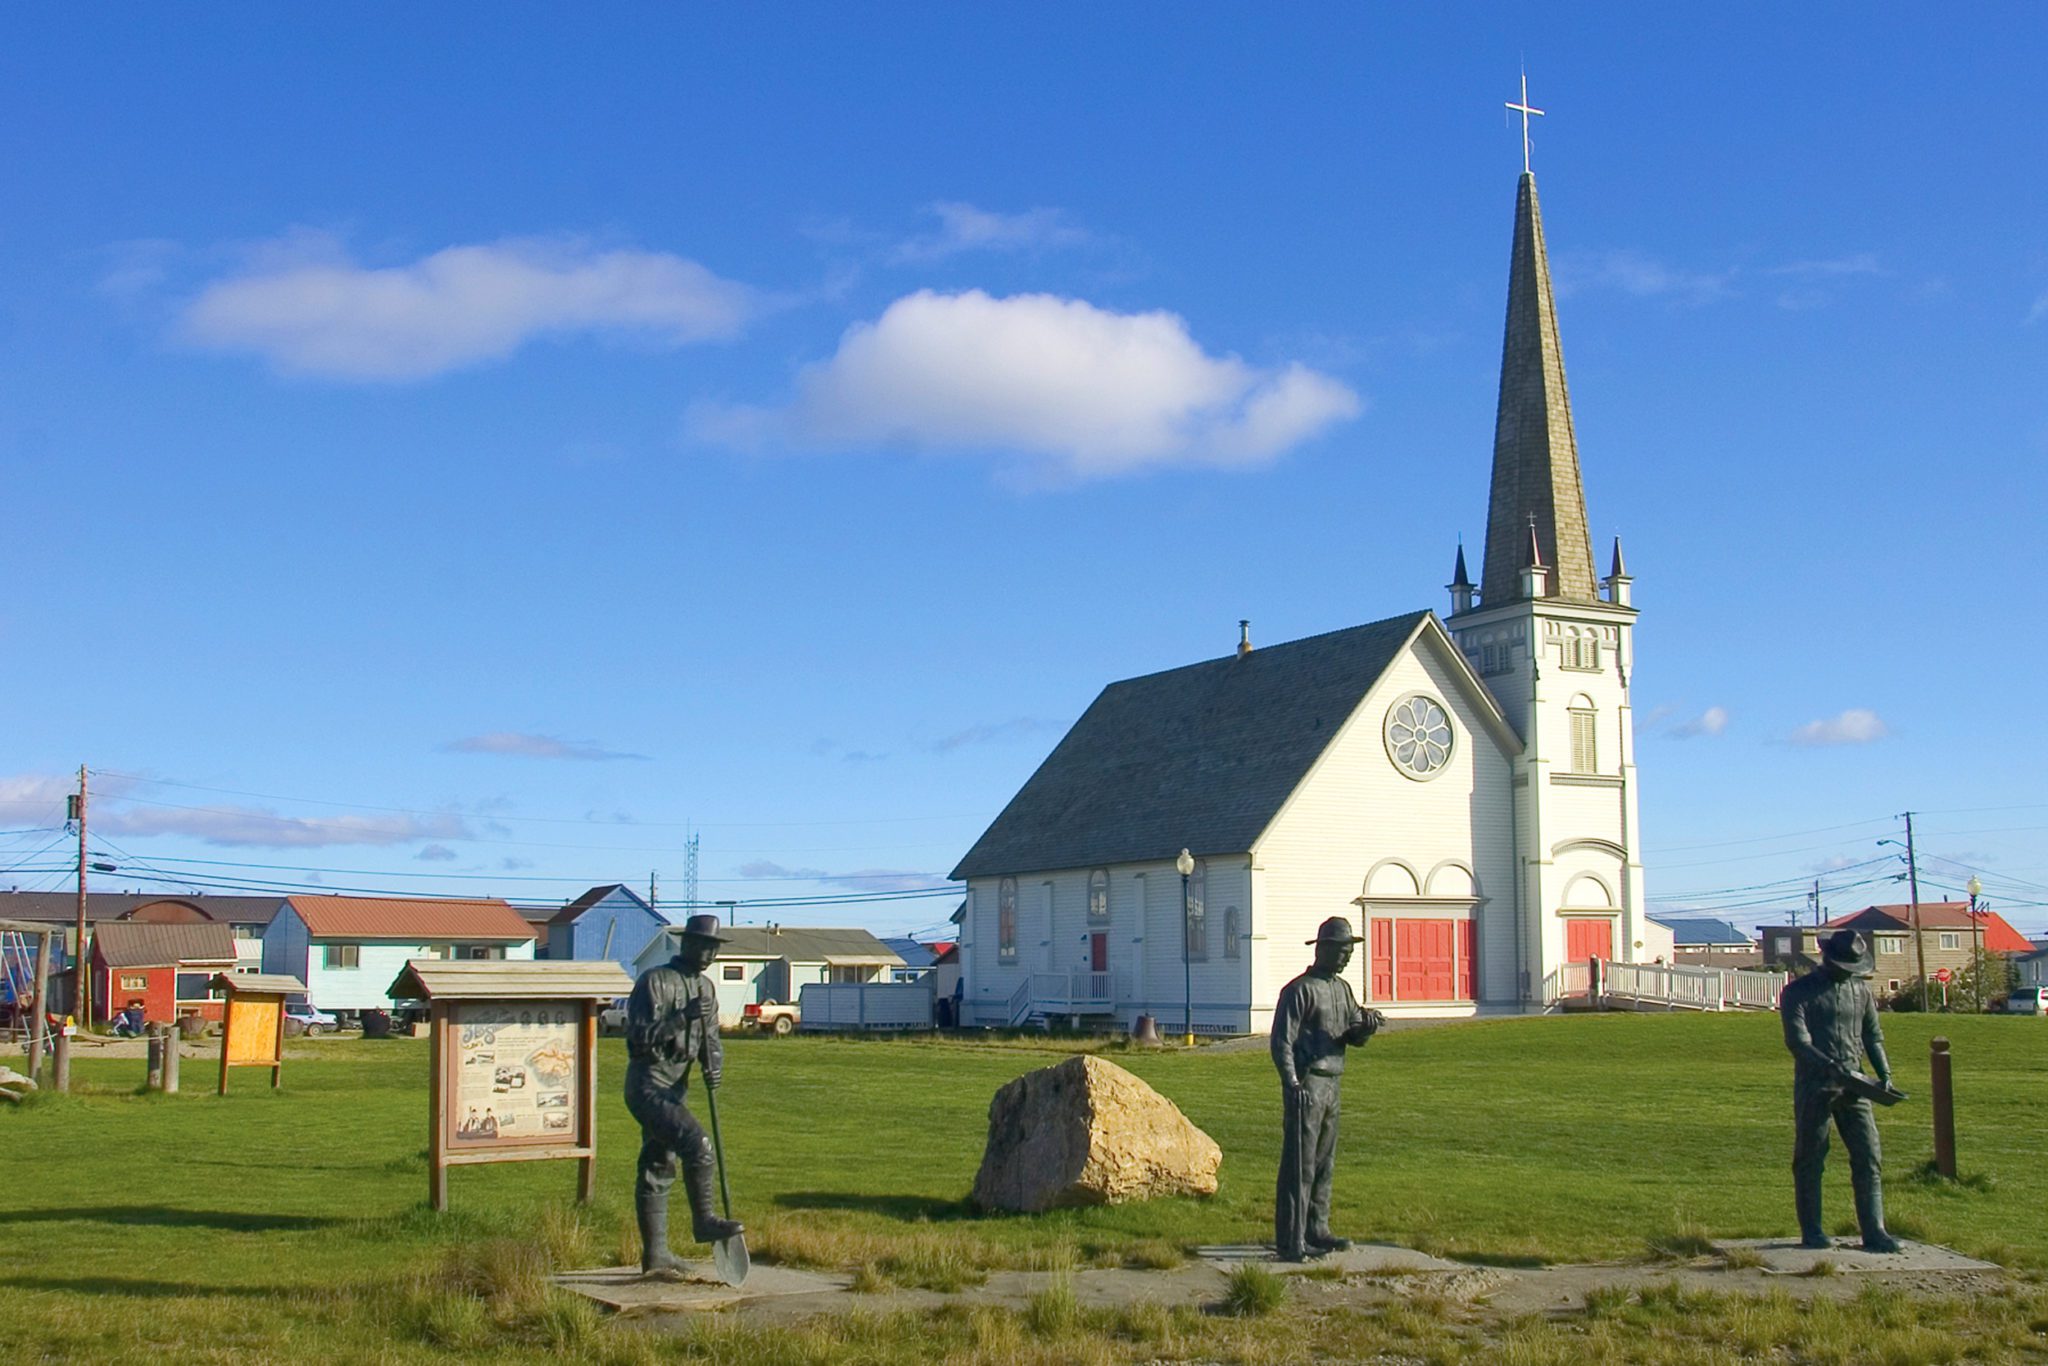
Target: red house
<point>164,968</point>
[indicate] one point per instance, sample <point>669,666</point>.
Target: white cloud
<point>257,827</point>
<point>1082,390</point>
<point>1633,272</point>
<point>860,879</point>
<point>307,308</point>
<point>435,853</point>
<point>1856,726</point>
<point>1712,721</point>
<point>963,227</point>
<point>2039,310</point>
<point>1861,263</point>
<point>990,732</point>
<point>524,745</point>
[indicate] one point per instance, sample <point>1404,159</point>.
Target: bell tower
<point>1556,646</point>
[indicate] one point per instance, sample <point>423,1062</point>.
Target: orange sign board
<point>251,1031</point>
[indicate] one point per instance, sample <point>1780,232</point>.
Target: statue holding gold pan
<point>672,1022</point>
<point>1315,1018</point>
<point>1830,1021</point>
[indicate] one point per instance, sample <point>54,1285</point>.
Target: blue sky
<point>500,448</point>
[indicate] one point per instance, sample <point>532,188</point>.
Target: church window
<point>1006,920</point>
<point>1585,741</point>
<point>1098,896</point>
<point>1419,736</point>
<point>1233,931</point>
<point>1198,915</point>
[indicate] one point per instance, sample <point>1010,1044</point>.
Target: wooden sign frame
<point>537,1000</point>
<point>446,1147</point>
<point>252,1022</point>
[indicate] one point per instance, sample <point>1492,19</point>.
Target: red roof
<point>409,917</point>
<point>1999,937</point>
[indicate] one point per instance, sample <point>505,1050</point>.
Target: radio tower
<point>690,874</point>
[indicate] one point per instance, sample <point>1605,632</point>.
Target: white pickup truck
<point>774,1017</point>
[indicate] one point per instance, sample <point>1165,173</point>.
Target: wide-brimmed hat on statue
<point>704,927</point>
<point>1335,930</point>
<point>1849,951</point>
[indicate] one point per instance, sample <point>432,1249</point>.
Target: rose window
<point>1419,736</point>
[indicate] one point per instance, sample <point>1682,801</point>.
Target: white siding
<point>378,964</point>
<point>1356,810</point>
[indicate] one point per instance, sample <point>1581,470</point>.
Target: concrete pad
<point>1784,1256</point>
<point>1363,1259</point>
<point>624,1290</point>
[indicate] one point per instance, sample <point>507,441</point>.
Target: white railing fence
<point>1678,986</point>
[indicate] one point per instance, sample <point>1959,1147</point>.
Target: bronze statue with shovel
<point>672,1022</point>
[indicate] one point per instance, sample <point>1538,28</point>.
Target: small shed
<point>513,1071</point>
<point>163,967</point>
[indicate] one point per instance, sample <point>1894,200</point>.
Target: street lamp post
<point>1185,866</point>
<point>1977,942</point>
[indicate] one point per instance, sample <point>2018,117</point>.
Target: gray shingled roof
<point>798,943</point>
<point>139,944</point>
<point>1200,757</point>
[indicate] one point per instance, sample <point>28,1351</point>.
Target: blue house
<point>605,922</point>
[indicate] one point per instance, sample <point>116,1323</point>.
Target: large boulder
<point>1086,1132</point>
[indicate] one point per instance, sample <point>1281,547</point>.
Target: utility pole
<point>1913,886</point>
<point>653,889</point>
<point>1814,898</point>
<point>81,979</point>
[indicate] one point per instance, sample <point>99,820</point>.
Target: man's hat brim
<point>1859,961</point>
<point>1352,939</point>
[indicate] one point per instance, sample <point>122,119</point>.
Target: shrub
<point>1252,1292</point>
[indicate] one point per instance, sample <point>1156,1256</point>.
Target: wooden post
<point>586,1122</point>
<point>227,1040</point>
<point>437,1106</point>
<point>155,1044</point>
<point>1944,1109</point>
<point>60,1055</point>
<point>39,1028</point>
<point>277,1068</point>
<point>173,1045</point>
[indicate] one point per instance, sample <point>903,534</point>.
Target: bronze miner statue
<point>672,1022</point>
<point>1830,1021</point>
<point>1316,1017</point>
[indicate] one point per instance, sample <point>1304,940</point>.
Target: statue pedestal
<point>1785,1257</point>
<point>624,1290</point>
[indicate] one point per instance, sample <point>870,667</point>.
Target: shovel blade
<point>729,1259</point>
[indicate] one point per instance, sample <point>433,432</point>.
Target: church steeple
<point>1535,454</point>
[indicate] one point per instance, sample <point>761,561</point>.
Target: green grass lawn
<point>293,1224</point>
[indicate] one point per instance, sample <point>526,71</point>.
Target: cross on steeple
<point>1526,111</point>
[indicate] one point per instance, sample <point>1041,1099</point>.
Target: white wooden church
<point>1463,788</point>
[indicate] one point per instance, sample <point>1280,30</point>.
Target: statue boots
<point>1321,1240</point>
<point>1870,1219</point>
<point>705,1224</point>
<point>1806,1199</point>
<point>651,1208</point>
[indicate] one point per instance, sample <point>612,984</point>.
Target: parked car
<point>612,1019</point>
<point>775,1017</point>
<point>314,1022</point>
<point>2027,1001</point>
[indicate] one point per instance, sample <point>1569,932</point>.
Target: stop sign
<point>1941,975</point>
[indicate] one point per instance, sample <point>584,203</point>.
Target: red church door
<point>1098,952</point>
<point>1585,938</point>
<point>1382,960</point>
<point>1427,954</point>
<point>1468,960</point>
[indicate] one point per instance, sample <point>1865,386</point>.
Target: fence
<point>865,1005</point>
<point>1673,987</point>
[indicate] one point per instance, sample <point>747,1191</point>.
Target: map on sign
<point>513,1073</point>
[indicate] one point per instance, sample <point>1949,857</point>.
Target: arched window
<point>1006,920</point>
<point>1585,739</point>
<point>1098,896</point>
<point>1198,916</point>
<point>1233,931</point>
